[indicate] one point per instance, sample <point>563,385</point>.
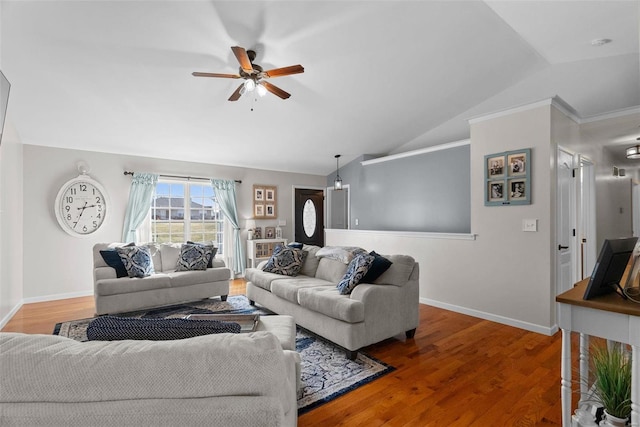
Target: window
<point>198,220</point>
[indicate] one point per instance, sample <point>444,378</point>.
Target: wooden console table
<point>609,317</point>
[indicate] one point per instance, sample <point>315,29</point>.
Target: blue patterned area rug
<point>326,371</point>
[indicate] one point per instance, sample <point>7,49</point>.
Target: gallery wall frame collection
<point>507,177</point>
<point>265,198</point>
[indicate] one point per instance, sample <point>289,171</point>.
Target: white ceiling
<point>380,76</point>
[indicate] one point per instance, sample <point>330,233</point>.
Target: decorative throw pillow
<point>285,260</point>
<point>214,251</point>
<point>112,258</point>
<point>358,267</point>
<point>380,265</point>
<point>194,257</point>
<point>137,260</point>
<point>295,245</point>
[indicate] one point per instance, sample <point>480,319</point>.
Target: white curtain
<point>143,185</point>
<point>225,191</point>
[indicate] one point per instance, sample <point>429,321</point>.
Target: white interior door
<point>566,248</point>
<point>586,233</point>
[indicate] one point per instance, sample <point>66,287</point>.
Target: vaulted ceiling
<point>380,76</point>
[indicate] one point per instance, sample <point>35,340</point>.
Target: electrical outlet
<point>529,225</point>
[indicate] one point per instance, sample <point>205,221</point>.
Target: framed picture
<point>264,201</point>
<point>269,232</point>
<point>508,178</point>
<point>257,233</point>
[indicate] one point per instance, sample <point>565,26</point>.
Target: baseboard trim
<point>55,297</point>
<point>10,315</point>
<point>546,330</point>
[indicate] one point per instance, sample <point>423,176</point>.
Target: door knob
<point>560,247</point>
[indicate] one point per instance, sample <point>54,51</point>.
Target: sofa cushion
<point>310,264</point>
<point>380,265</point>
<point>328,301</point>
<point>285,260</point>
<point>137,260</point>
<point>399,272</point>
<point>288,288</point>
<point>194,277</point>
<point>331,270</point>
<point>260,278</point>
<point>194,257</point>
<point>169,253</point>
<point>358,267</point>
<point>156,257</point>
<point>127,285</point>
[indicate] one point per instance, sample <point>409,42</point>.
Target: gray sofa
<point>166,286</point>
<point>220,380</point>
<point>371,313</point>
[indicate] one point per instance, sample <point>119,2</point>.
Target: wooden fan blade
<point>285,71</point>
<point>243,58</point>
<point>225,76</point>
<point>276,90</point>
<point>236,94</point>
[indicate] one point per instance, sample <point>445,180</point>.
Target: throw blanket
<point>344,254</point>
<point>112,328</point>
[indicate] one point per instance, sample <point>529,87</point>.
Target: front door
<point>309,216</point>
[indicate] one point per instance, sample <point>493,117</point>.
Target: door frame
<point>327,203</point>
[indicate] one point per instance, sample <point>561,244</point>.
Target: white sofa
<point>166,286</point>
<point>221,380</point>
<point>371,313</point>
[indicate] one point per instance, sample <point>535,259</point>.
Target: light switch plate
<point>529,225</point>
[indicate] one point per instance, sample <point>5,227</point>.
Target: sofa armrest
<point>217,262</point>
<point>261,264</point>
<point>100,273</point>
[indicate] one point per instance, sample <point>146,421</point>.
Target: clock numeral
<point>98,200</point>
<point>99,208</point>
<point>75,223</point>
<point>84,228</point>
<point>72,191</point>
<point>67,208</point>
<point>69,199</point>
<point>83,187</point>
<point>95,224</point>
<point>68,217</point>
<point>99,215</point>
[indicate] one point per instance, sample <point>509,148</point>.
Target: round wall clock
<point>81,206</point>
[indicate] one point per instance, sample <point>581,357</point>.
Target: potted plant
<point>612,375</point>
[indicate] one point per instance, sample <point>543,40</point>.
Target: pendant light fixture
<point>337,183</point>
<point>634,152</point>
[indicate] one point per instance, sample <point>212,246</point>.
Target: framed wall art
<point>507,178</point>
<point>264,201</point>
<point>269,232</point>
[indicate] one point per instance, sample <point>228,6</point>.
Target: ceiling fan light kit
<point>254,75</point>
<point>633,152</point>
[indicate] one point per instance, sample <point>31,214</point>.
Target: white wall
<point>505,274</point>
<point>60,266</point>
<point>11,247</point>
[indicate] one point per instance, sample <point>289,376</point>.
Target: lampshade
<point>337,183</point>
<point>633,152</point>
<point>249,85</point>
<point>262,91</point>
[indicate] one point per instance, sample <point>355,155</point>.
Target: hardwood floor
<point>457,371</point>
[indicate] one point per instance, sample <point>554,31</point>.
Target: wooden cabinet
<point>261,249</point>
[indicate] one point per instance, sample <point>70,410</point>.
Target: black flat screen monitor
<point>612,261</point>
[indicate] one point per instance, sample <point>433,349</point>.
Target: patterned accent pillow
<point>285,260</point>
<point>194,256</point>
<point>137,260</point>
<point>213,253</point>
<point>358,267</point>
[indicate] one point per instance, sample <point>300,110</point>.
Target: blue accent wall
<point>428,192</point>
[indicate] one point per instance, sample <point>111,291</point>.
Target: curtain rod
<point>188,178</point>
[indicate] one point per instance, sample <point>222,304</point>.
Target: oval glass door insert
<point>309,218</point>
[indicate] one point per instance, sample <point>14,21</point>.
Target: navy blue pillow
<point>295,245</point>
<point>380,265</point>
<point>214,251</point>
<point>112,258</point>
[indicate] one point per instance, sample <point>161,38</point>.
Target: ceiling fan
<point>254,76</point>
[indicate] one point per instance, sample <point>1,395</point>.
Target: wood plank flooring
<point>457,371</point>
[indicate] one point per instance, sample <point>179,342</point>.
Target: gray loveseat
<point>221,380</point>
<point>371,313</point>
<point>166,286</point>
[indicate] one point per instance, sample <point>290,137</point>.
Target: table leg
<point>584,367</point>
<point>565,383</point>
<point>635,386</point>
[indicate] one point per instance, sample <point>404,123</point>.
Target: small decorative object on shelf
<point>278,232</point>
